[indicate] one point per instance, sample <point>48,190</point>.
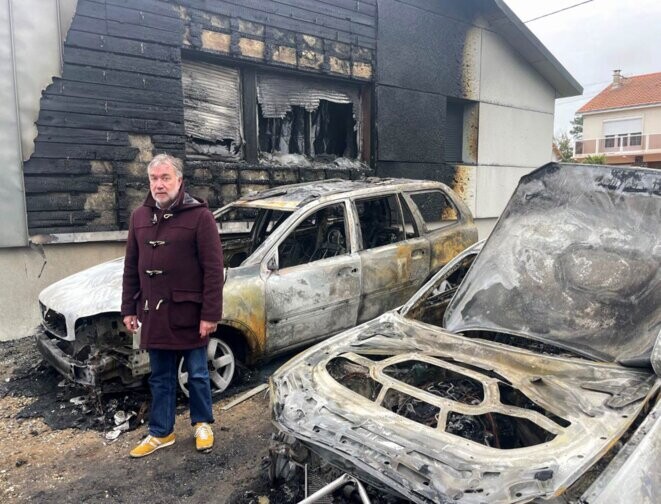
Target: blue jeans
<point>163,384</point>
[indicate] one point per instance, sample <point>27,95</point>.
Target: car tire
<point>222,366</point>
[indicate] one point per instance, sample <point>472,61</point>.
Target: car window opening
<point>380,221</point>
<point>244,229</point>
<point>435,208</point>
<point>431,307</point>
<point>320,235</point>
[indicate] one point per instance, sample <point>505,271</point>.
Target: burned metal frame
<point>539,407</point>
<point>422,463</point>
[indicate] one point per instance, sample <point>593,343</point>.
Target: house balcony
<point>633,147</point>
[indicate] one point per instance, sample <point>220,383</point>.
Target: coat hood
<point>575,261</point>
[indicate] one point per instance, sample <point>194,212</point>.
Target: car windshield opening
<point>244,229</point>
<point>431,307</point>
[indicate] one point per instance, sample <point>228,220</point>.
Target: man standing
<point>173,279</point>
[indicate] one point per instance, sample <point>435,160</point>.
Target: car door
<point>394,257</point>
<point>447,224</point>
<point>315,290</point>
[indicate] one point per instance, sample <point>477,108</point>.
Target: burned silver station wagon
<point>303,262</point>
<point>526,370</point>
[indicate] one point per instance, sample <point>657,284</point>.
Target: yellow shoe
<point>152,443</point>
<point>203,437</point>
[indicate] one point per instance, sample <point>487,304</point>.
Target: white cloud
<point>593,39</point>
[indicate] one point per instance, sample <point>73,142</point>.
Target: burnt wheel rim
<point>220,360</point>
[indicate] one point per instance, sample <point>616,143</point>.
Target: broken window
<point>212,111</point>
<point>436,209</point>
<point>380,221</point>
<point>431,307</point>
<point>320,235</point>
<point>245,228</point>
<point>307,117</point>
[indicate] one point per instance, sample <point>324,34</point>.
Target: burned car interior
<point>518,371</point>
<point>322,234</point>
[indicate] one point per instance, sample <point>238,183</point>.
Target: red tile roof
<point>635,90</point>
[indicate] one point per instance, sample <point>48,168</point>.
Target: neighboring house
<point>623,122</point>
<point>252,94</point>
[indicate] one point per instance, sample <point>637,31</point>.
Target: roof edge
<point>618,109</point>
<point>555,73</point>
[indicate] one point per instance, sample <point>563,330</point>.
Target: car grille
<point>53,321</point>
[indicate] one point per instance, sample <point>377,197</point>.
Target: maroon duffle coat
<point>173,272</point>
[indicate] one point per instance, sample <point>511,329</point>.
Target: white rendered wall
<point>515,131</point>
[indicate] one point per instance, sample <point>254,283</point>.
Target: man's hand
<point>206,328</point>
<point>131,322</point>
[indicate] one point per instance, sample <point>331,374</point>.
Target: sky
<point>593,39</point>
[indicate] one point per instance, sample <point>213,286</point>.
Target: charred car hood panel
<point>95,290</point>
<point>433,416</point>
<point>575,260</point>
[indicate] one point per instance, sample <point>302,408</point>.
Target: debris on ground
<point>245,396</point>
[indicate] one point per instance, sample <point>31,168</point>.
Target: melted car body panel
<point>575,261</point>
<point>424,463</point>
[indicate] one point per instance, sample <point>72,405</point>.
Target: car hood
<point>575,261</point>
<point>435,416</point>
<point>95,290</point>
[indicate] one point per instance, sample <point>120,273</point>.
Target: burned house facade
<point>256,94</point>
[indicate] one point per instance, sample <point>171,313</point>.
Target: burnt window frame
<point>400,213</point>
<point>408,196</point>
<point>193,58</point>
<point>249,106</point>
<point>361,110</point>
<point>274,252</point>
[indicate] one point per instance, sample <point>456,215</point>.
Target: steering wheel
<point>335,236</point>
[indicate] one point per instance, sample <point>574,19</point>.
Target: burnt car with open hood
<point>526,370</point>
<point>302,262</point>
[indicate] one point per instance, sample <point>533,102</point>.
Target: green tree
<point>595,159</point>
<point>563,148</point>
<point>576,130</point>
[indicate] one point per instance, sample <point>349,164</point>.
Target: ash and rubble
<point>64,405</point>
<point>112,409</point>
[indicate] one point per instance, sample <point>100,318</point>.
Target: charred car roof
<point>297,195</point>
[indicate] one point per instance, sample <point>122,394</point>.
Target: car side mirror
<point>272,264</point>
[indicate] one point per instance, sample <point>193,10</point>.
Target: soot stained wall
<point>119,100</point>
<point>422,59</point>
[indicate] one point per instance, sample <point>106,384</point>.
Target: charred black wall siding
<point>119,100</point>
<point>420,64</point>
